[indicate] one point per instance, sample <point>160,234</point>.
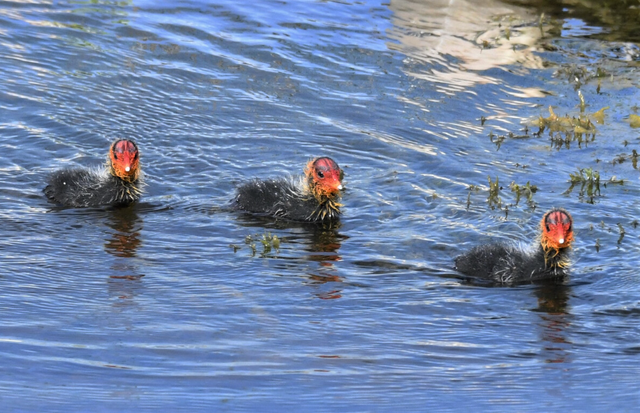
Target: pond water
<point>176,305</point>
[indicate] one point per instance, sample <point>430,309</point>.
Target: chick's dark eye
<point>320,174</point>
<point>115,155</point>
<point>135,156</point>
<point>548,229</point>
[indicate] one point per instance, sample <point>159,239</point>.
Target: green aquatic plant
<point>580,74</point>
<point>633,156</point>
<point>599,115</point>
<point>249,241</point>
<point>566,129</point>
<point>485,45</point>
<point>634,121</point>
<point>541,24</point>
<point>613,181</point>
<point>583,104</point>
<point>619,159</point>
<point>526,190</point>
<point>589,181</point>
<point>471,188</point>
<point>586,175</point>
<point>622,232</point>
<point>499,139</point>
<point>494,201</point>
<point>601,73</point>
<point>269,243</point>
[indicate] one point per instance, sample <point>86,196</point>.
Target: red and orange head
<point>324,177</point>
<point>125,160</point>
<point>557,230</point>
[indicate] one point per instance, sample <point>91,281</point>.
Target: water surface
<point>174,304</point>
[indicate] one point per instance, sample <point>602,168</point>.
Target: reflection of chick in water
<point>324,246</point>
<point>125,240</point>
<point>552,305</point>
<point>553,298</point>
<point>123,243</point>
<point>325,243</point>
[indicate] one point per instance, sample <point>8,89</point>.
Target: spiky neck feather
<point>555,258</point>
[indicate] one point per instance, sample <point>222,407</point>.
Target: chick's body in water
<point>508,264</point>
<point>311,198</point>
<point>118,184</point>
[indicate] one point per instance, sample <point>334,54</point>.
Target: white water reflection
<point>458,39</point>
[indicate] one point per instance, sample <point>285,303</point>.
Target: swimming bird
<point>118,184</point>
<point>509,264</point>
<point>311,198</point>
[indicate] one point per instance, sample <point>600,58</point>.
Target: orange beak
<point>126,161</point>
<point>333,181</point>
<point>557,235</point>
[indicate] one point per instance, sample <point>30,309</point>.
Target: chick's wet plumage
<point>507,264</point>
<point>116,185</point>
<point>312,198</point>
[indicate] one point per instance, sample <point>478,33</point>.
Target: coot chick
<point>118,184</point>
<point>509,264</point>
<point>311,198</point>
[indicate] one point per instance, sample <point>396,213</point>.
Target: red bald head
<point>557,229</point>
<point>125,159</point>
<point>325,177</point>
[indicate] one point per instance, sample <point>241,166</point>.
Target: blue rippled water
<point>175,304</point>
